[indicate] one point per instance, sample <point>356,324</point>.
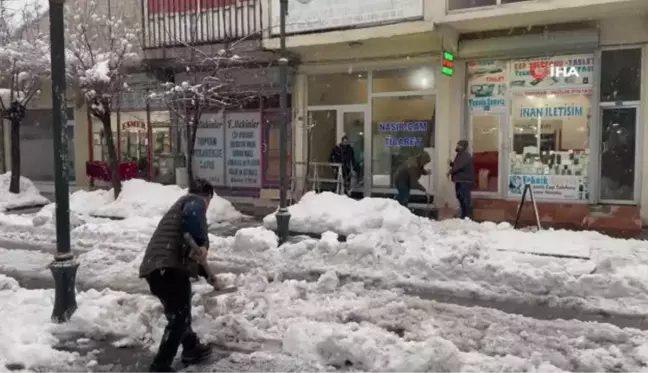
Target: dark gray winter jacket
<point>463,169</point>
<point>167,247</point>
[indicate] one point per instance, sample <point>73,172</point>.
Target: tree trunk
<point>190,149</point>
<point>14,185</point>
<point>192,141</point>
<point>113,161</point>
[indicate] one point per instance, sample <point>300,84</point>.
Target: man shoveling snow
<point>168,265</point>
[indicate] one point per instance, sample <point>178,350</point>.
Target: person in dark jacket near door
<point>343,154</point>
<point>168,267</point>
<point>462,172</point>
<point>407,176</point>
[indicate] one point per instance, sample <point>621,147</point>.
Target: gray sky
<point>14,9</point>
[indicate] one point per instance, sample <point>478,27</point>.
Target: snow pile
<point>347,326</point>
<point>317,213</point>
<point>142,198</point>
<point>29,195</point>
<point>28,336</point>
<point>138,200</point>
<point>99,73</point>
<point>356,328</point>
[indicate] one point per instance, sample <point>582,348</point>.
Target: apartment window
<point>467,4</point>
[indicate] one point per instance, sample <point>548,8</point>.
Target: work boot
<point>196,355</point>
<point>158,368</point>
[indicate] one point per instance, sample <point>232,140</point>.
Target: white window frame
<point>483,7</point>
<point>598,126</point>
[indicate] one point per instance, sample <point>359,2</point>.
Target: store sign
<point>228,149</point>
<point>317,15</point>
<point>560,111</point>
<point>408,128</point>
<point>243,136</point>
<point>209,149</point>
<point>134,125</point>
<point>486,86</point>
<point>557,187</point>
<point>552,71</point>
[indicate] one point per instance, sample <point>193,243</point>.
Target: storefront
<point>238,150</point>
<point>143,139</point>
<point>388,115</point>
<point>567,124</point>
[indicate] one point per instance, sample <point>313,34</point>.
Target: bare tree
<point>210,84</point>
<point>101,48</point>
<point>24,62</point>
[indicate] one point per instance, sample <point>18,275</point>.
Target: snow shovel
<point>217,291</point>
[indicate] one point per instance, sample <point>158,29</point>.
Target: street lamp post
<point>64,267</point>
<point>283,216</point>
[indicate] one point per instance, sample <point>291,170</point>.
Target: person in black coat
<point>343,154</point>
<point>462,172</point>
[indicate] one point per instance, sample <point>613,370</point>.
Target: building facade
<point>547,93</point>
<point>558,106</point>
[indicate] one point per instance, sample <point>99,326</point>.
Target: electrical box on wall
<point>447,63</point>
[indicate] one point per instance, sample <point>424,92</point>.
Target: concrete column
<point>300,133</point>
<point>449,130</point>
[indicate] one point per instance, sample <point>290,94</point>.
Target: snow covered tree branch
<point>209,84</point>
<point>24,62</point>
<point>101,49</point>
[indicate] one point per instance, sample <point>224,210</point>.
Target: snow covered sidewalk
<point>323,326</point>
<point>384,242</point>
<point>487,260</point>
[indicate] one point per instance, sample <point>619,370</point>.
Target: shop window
<point>485,147</point>
<point>620,93</point>
<point>337,89</point>
<point>550,144</point>
<point>402,127</point>
<point>403,80</point>
<point>487,95</point>
<point>618,136</point>
<point>100,149</point>
<point>272,152</point>
<point>621,75</point>
<point>273,101</point>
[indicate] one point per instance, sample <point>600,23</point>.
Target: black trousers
<point>173,288</point>
<point>463,191</point>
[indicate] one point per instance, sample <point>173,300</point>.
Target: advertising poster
<point>209,150</point>
<point>552,72</point>
<point>486,86</point>
<point>555,187</point>
<point>243,149</point>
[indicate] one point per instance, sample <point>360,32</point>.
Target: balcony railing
<point>168,23</point>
